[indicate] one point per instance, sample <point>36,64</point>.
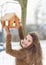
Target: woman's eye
<point>29,41</point>
<point>26,38</point>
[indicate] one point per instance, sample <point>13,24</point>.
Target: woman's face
<point>27,41</point>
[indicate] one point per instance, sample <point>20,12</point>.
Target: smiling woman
<point>30,53</point>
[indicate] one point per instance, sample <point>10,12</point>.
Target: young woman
<point>30,54</point>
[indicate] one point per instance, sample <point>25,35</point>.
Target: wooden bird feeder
<point>10,20</point>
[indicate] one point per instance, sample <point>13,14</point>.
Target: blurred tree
<point>23,4</point>
<point>36,18</point>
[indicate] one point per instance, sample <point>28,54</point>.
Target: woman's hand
<point>20,24</point>
<point>7,30</point>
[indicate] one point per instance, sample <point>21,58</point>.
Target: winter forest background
<point>32,14</point>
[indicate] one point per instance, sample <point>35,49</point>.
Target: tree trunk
<point>23,4</point>
<point>23,17</point>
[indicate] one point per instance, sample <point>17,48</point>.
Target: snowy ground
<point>6,59</point>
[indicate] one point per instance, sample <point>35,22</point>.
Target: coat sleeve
<point>19,54</point>
<point>20,31</point>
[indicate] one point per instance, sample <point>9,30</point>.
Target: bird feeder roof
<point>8,16</point>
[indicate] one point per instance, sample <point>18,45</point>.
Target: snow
<point>43,46</point>
<point>6,59</point>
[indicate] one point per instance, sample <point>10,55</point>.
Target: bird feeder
<point>10,20</point>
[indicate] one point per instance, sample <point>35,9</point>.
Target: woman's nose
<point>25,41</point>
